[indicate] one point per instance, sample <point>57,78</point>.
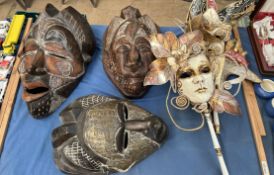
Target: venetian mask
<point>54,58</point>
<point>127,54</point>
<point>104,135</point>
<point>196,80</point>
<point>198,72</point>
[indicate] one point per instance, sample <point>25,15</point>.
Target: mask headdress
<point>71,20</point>
<point>128,15</point>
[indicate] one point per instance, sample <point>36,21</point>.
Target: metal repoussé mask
<point>101,135</point>
<point>127,54</point>
<point>54,58</point>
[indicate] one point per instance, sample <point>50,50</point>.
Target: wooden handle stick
<point>254,116</point>
<point>10,95</point>
<point>253,110</point>
<point>252,98</point>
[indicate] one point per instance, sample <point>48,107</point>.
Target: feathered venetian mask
<point>197,64</point>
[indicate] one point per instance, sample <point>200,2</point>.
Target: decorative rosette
<point>171,53</point>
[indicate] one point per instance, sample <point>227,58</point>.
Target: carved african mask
<point>196,80</point>
<point>127,54</point>
<point>104,135</point>
<point>55,55</point>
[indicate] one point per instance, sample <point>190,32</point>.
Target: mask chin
<point>202,98</point>
<point>40,107</point>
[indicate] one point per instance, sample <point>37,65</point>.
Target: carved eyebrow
<point>122,48</point>
<point>142,45</point>
<point>141,33</point>
<point>125,43</point>
<point>57,36</point>
<point>120,37</point>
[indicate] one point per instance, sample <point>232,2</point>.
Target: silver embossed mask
<point>101,135</point>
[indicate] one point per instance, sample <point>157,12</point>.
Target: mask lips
<point>34,90</point>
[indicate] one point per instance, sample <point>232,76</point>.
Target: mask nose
<point>152,127</point>
<point>198,79</point>
<point>37,66</point>
<point>133,57</point>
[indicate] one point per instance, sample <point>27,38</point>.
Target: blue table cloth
<point>28,150</point>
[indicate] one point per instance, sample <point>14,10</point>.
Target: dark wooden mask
<point>127,53</point>
<point>54,58</point>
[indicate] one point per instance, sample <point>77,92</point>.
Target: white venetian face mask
<point>196,80</point>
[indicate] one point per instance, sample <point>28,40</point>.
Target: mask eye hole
<point>220,34</point>
<point>221,37</point>
<point>186,74</point>
<point>122,111</point>
<point>122,140</point>
<point>125,140</point>
<point>205,69</point>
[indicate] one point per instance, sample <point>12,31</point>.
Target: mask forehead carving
<point>110,131</point>
<point>127,54</point>
<point>55,55</point>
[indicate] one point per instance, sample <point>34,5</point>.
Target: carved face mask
<point>196,80</point>
<point>127,54</point>
<point>104,135</point>
<point>54,58</point>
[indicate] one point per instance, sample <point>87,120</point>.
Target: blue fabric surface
<point>27,149</point>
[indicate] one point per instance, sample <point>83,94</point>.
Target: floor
<point>163,12</point>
